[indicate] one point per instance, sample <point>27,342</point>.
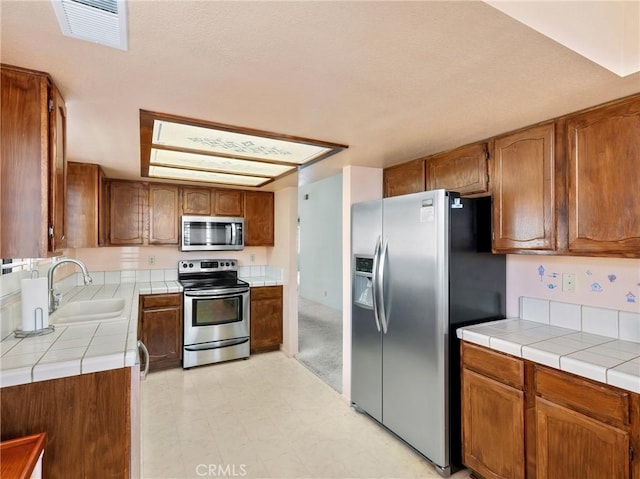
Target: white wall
<point>320,262</point>
<point>284,255</point>
<point>358,184</point>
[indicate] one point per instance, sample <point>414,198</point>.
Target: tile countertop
<point>601,358</point>
<point>82,348</point>
<point>87,348</point>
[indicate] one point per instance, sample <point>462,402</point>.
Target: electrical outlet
<point>151,260</point>
<point>569,282</point>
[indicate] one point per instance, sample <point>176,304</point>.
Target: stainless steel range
<point>216,311</point>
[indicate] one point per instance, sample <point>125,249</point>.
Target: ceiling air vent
<point>98,21</point>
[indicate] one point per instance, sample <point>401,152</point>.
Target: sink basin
<point>90,311</point>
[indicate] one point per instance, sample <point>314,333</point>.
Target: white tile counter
<point>607,359</point>
<point>82,348</point>
<point>260,275</point>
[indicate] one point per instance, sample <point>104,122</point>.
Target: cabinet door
<point>258,218</point>
<point>463,170</point>
<point>162,334</point>
<point>266,318</point>
<point>493,429</point>
<point>524,213</point>
<point>404,179</point>
<point>57,171</point>
<point>570,444</point>
<point>604,180</point>
<point>163,214</point>
<point>126,213</point>
<point>83,204</point>
<point>228,203</point>
<point>23,164</point>
<point>90,436</point>
<point>196,201</point>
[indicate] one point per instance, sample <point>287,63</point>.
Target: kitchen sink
<point>89,311</point>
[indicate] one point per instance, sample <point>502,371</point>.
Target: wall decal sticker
<point>611,278</point>
<point>552,286</point>
<point>631,298</point>
<point>596,288</point>
<point>541,272</point>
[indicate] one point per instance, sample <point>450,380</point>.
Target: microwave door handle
<point>233,233</point>
<point>228,233</point>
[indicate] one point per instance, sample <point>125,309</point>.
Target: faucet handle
<point>88,280</point>
<point>57,297</point>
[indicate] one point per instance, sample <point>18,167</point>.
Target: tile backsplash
<point>611,323</point>
<point>10,284</point>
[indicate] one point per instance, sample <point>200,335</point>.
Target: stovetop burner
<point>191,284</point>
<point>203,274</point>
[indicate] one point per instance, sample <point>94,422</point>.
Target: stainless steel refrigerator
<point>421,267</point>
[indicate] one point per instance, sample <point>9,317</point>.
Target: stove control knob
<point>190,265</point>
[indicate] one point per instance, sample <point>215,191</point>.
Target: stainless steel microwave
<point>212,233</point>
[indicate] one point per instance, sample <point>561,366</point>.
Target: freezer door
<point>415,296</point>
<point>366,340</point>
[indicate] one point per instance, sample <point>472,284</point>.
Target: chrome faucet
<point>54,300</point>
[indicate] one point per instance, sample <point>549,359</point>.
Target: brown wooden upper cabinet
<point>524,208</point>
<point>604,180</point>
<point>127,207</point>
<point>84,204</point>
<point>32,165</point>
<point>228,203</point>
<point>164,210</point>
<point>196,201</point>
<point>258,218</point>
<point>404,178</point>
<point>463,170</point>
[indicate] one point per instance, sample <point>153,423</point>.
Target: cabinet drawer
<point>160,300</point>
<point>506,369</point>
<point>598,401</point>
<point>266,292</point>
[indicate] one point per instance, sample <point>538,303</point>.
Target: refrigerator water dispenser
<point>363,282</point>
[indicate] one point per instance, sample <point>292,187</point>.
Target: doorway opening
<point>320,279</point>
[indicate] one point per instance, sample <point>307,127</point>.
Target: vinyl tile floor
<point>265,417</point>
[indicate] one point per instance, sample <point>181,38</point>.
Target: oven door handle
<point>217,293</point>
<point>216,345</point>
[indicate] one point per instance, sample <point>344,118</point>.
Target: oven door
<point>216,315</point>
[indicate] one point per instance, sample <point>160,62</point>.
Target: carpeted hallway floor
<point>320,341</point>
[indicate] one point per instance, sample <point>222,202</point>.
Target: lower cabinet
<point>160,329</point>
<point>266,318</point>
<point>551,425</point>
<point>493,434</point>
<point>86,419</point>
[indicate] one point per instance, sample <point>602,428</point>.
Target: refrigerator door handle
<point>380,285</point>
<point>375,282</point>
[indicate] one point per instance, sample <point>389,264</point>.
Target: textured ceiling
<point>393,80</point>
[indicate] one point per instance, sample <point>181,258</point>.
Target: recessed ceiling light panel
<point>220,164</point>
<point>194,150</point>
<point>205,176</point>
